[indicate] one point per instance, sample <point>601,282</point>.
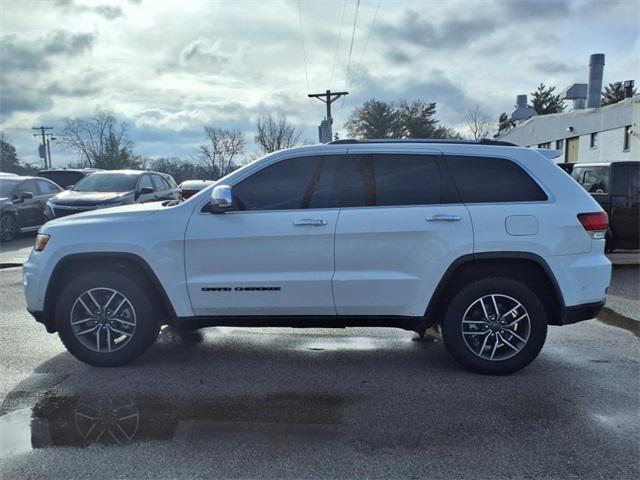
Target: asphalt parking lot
<point>354,403</point>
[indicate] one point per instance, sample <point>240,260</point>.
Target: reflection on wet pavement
<point>79,422</point>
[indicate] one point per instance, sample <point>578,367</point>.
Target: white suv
<point>489,241</point>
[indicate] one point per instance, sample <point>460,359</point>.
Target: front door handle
<point>310,222</point>
<point>443,217</point>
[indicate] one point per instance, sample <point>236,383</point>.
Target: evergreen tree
<point>417,119</point>
<point>9,161</point>
<point>544,101</point>
<point>614,93</point>
<point>505,123</point>
<point>377,119</point>
<point>374,119</point>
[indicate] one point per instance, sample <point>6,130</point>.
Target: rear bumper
<point>583,278</point>
<point>579,313</point>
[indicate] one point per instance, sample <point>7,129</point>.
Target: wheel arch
<point>75,264</point>
<point>528,268</point>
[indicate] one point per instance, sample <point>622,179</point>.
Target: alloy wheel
<point>103,320</point>
<point>495,327</point>
<point>7,228</point>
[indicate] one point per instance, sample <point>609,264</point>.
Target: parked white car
<point>491,242</point>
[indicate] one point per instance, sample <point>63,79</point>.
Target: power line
<point>358,69</point>
<point>335,55</point>
<point>366,43</point>
<point>353,36</point>
<point>304,51</point>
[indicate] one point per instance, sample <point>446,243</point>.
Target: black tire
<point>463,302</point>
<point>8,227</point>
<point>144,333</point>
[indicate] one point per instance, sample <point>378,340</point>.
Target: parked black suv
<point>616,187</point>
<point>66,177</point>
<point>110,188</point>
<point>22,201</point>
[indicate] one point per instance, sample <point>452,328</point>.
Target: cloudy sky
<point>167,68</point>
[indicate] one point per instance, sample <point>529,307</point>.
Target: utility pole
<point>325,133</point>
<point>49,138</point>
<point>43,145</point>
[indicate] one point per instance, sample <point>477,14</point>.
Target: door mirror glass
<point>22,196</point>
<point>221,199</point>
<point>146,190</point>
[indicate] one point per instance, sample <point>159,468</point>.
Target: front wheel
<point>105,318</point>
<point>495,325</point>
<point>8,227</point>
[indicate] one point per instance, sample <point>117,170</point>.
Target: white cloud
<point>168,68</point>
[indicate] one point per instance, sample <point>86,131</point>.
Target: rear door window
<point>145,182</point>
<point>493,180</point>
<point>368,180</point>
<point>405,180</point>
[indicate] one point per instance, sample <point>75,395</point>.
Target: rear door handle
<point>443,217</point>
<point>310,222</point>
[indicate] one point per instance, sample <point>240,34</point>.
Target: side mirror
<point>24,196</point>
<point>221,199</point>
<point>146,191</point>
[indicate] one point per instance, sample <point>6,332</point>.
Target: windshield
<point>7,187</point>
<point>107,182</point>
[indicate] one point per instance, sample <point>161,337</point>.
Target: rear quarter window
<point>490,180</point>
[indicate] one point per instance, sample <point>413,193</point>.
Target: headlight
<point>41,242</point>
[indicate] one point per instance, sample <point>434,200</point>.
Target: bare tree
<point>99,141</point>
<point>222,148</point>
<point>276,133</point>
<point>478,123</point>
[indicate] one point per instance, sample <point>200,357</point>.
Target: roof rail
<point>485,141</point>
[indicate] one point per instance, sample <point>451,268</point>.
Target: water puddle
<point>15,433</point>
<point>83,421</point>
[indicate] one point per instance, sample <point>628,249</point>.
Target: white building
<point>603,134</point>
<point>591,134</point>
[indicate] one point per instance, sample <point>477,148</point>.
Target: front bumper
<point>579,313</point>
<point>40,317</point>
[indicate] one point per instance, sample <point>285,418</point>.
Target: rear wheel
<point>105,318</point>
<point>8,227</point>
<point>495,325</point>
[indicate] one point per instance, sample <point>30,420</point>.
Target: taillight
<point>594,222</point>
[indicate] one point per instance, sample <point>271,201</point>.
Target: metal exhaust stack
<point>523,111</point>
<point>596,69</point>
